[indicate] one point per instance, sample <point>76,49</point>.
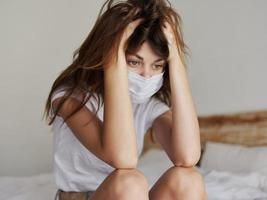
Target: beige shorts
<point>62,195</point>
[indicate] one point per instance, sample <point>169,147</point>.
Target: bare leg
<point>179,183</point>
<point>123,184</point>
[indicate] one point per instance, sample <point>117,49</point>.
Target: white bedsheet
<point>219,185</point>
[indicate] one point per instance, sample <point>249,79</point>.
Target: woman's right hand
<point>125,36</point>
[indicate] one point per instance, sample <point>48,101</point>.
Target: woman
<point>127,76</point>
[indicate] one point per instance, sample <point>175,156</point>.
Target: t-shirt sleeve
<point>61,92</point>
<point>155,109</point>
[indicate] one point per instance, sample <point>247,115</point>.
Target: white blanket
<point>225,185</point>
<point>219,185</point>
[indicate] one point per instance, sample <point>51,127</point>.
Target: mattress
<point>220,185</point>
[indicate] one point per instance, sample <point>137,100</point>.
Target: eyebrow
<point>140,57</point>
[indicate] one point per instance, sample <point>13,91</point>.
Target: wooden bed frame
<point>245,128</point>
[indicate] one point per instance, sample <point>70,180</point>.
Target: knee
<point>186,181</point>
<point>130,182</point>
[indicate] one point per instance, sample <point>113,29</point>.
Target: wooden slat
<point>246,128</point>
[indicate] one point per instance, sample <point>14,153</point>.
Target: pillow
<point>234,158</point>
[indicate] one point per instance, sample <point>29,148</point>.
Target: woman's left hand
<point>169,34</point>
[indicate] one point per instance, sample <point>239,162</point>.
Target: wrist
<point>175,61</point>
<point>173,51</point>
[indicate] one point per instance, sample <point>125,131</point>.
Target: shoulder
<point>74,99</point>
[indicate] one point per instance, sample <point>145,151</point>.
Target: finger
<point>132,26</point>
<point>135,23</point>
<point>165,25</point>
<point>129,30</point>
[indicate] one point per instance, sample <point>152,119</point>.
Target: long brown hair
<point>85,74</point>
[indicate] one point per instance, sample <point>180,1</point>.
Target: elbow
<point>187,161</point>
<point>125,163</point>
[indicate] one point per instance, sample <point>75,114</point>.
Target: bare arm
<point>119,136</point>
<point>112,140</point>
<point>185,135</point>
<point>178,130</point>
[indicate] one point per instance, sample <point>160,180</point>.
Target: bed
<point>233,161</point>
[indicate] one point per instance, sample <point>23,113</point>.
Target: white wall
<point>228,40</point>
<point>227,72</point>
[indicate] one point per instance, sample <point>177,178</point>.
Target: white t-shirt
<point>76,168</point>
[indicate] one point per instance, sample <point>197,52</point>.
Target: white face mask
<point>140,88</point>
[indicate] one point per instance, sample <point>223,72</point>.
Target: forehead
<point>145,52</point>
